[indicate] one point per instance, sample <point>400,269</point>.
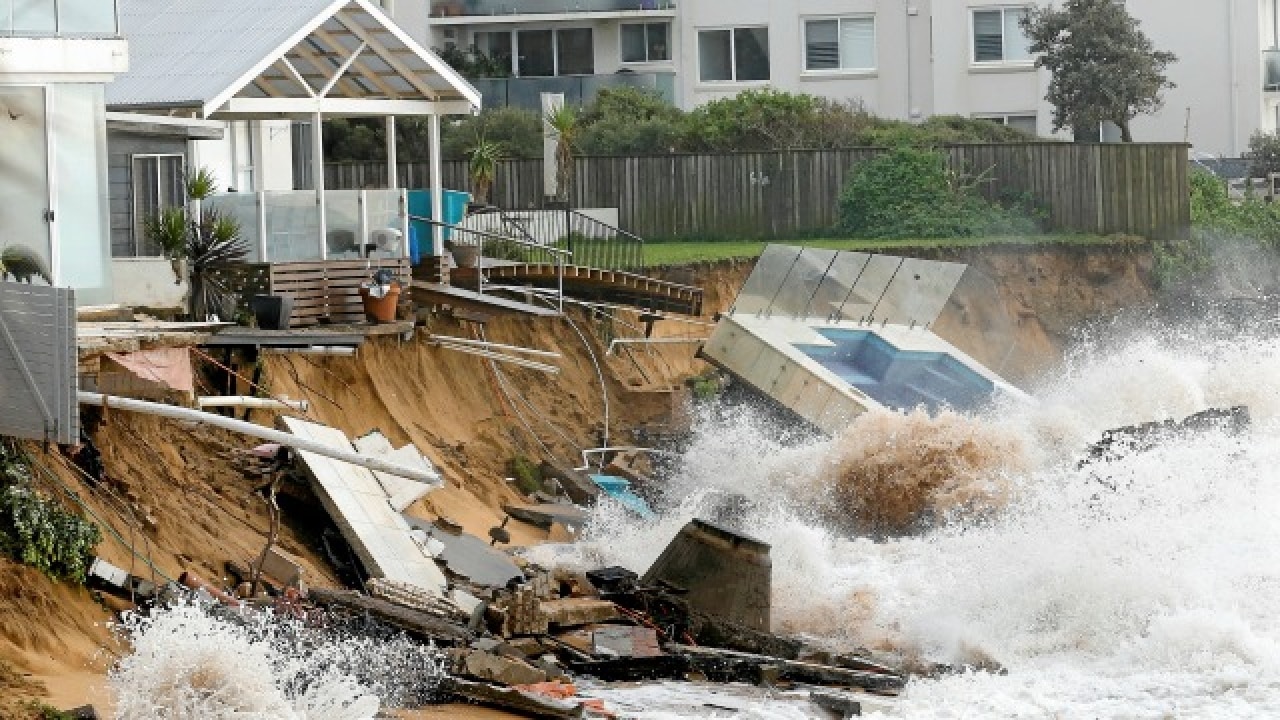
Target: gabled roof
<point>237,58</point>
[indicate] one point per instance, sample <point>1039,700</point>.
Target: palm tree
<point>563,122</point>
<point>483,166</point>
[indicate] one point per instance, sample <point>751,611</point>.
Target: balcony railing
<point>59,18</point>
<point>1271,70</point>
<point>577,89</point>
<point>463,8</point>
<point>285,226</point>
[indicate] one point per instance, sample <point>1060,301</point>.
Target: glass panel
<point>988,36</point>
<point>857,43</point>
<point>293,226</point>
<point>659,47</point>
<point>24,170</point>
<point>33,17</point>
<point>870,285</point>
<point>383,210</point>
<point>157,183</point>
<point>751,53</point>
<point>715,56</point>
<point>1016,45</point>
<point>78,128</point>
<point>575,52</point>
<point>633,43</point>
<point>342,223</point>
<point>765,280</point>
<point>1025,123</point>
<point>496,46</point>
<point>802,282</point>
<point>821,45</point>
<point>835,289</point>
<point>243,208</point>
<point>918,293</point>
<point>87,17</point>
<point>537,55</point>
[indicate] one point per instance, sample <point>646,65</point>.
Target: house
<point>905,59</point>
<point>55,57</point>
<point>242,88</point>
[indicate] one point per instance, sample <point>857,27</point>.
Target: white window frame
<point>733,54</point>
<point>1003,117</point>
<point>648,61</point>
<point>134,211</point>
<point>843,72</point>
<point>1029,61</point>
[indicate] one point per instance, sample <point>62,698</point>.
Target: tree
<point>1104,67</point>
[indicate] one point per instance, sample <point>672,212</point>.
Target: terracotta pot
<point>380,309</point>
<point>467,256</point>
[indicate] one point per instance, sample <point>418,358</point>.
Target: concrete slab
<point>470,556</point>
<point>401,492</point>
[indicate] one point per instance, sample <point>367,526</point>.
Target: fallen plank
<point>792,669</point>
<point>527,704</point>
<point>414,622</point>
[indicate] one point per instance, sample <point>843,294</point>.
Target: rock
<point>528,647</point>
<point>571,612</point>
<point>838,704</point>
<point>500,669</point>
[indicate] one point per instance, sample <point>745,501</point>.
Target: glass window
<point>575,54</point>
<point>840,44</point>
<point>157,184</point>
<point>645,42</point>
<point>998,36</point>
<point>496,46</point>
<point>738,54</point>
<point>1025,123</point>
<point>537,53</point>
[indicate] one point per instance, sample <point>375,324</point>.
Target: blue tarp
<point>454,205</point>
<point>620,489</point>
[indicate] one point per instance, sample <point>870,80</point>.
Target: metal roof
<point>203,55</point>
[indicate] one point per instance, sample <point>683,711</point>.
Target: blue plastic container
<point>454,206</point>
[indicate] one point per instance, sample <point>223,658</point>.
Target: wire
<point>536,413</point>
<point>493,364</point>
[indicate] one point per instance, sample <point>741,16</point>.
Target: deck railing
<point>591,242</point>
<point>482,248</point>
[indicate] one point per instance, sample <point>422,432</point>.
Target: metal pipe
<point>311,350</point>
<point>492,345</point>
<point>469,350</point>
<point>586,464</point>
<point>239,426</point>
<point>248,401</point>
<point>654,341</point>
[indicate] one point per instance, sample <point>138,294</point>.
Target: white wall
<point>147,282</point>
<point>251,156</point>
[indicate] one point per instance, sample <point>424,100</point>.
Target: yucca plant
<point>215,240</point>
<point>563,121</point>
<point>201,184</point>
<point>483,167</point>
<point>168,229</point>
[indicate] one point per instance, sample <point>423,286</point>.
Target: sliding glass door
<point>24,170</point>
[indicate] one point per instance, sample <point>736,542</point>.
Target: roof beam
<point>323,67</point>
<point>360,65</point>
<point>342,70</point>
<point>236,108</point>
<point>387,56</point>
<point>297,76</point>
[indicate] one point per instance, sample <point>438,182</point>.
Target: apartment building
<point>906,59</point>
<point>55,56</point>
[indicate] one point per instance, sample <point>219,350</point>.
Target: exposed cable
<point>604,388</point>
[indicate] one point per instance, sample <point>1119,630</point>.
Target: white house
<point>906,59</point>
<point>55,56</point>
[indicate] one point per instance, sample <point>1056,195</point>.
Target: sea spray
<point>197,662</point>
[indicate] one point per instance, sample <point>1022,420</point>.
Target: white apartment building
<point>55,56</point>
<point>905,59</point>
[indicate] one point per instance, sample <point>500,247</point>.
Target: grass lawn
<point>657,253</point>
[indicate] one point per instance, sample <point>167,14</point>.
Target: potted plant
<point>380,296</point>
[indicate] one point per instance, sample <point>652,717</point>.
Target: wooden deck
<point>428,293</point>
<point>322,290</point>
<point>593,283</point>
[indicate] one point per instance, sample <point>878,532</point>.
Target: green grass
<point>681,252</point>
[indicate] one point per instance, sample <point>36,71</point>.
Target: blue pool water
<point>896,378</point>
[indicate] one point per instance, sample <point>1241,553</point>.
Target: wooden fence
<point>1100,188</point>
<point>322,290</point>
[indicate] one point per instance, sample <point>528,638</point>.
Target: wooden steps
<point>611,285</point>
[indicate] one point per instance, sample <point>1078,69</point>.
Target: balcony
<point>59,18</point>
<point>506,8</point>
<point>577,89</point>
<point>285,226</point>
<point>1271,70</point>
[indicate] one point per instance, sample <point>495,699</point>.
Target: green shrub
<point>518,131</point>
<point>527,474</point>
<point>39,532</point>
<point>910,192</point>
<point>1263,154</point>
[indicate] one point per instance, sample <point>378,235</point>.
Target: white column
<point>393,180</point>
<point>437,185</point>
<point>317,174</point>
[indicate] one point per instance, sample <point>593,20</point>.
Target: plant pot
<point>380,309</point>
<point>272,312</point>
<point>467,256</point>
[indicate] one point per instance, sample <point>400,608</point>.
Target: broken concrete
<point>401,492</point>
<point>416,623</point>
<point>571,612</point>
<point>543,516</point>
<point>622,641</point>
<point>526,704</point>
<point>468,556</point>
<point>725,574</point>
<point>501,669</point>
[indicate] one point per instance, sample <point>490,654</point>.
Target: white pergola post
<point>437,185</point>
<point>317,173</point>
<point>393,179</point>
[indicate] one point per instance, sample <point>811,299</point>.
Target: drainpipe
<point>244,401</point>
<point>245,428</point>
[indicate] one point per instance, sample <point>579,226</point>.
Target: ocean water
<point>1147,587</point>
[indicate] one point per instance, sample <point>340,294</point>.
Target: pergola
<point>287,59</point>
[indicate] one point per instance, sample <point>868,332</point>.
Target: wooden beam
<point>342,69</point>
<point>361,66</point>
<point>321,65</point>
<point>387,56</point>
<point>297,76</point>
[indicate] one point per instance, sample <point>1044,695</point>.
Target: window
<point>646,42</point>
<point>840,44</point>
<point>1023,122</point>
<point>733,55</point>
<point>496,46</point>
<point>547,53</point>
<point>997,36</point>
<point>158,183</point>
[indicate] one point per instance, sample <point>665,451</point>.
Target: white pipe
<point>174,412</point>
<point>469,350</point>
<point>586,463</point>
<point>247,401</point>
<point>492,346</point>
<point>654,341</point>
<point>312,350</point>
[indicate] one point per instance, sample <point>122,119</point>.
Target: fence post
<point>260,211</point>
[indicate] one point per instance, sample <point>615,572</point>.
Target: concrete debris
<point>416,623</point>
<point>717,662</point>
<point>284,568</point>
<point>526,704</point>
<point>110,579</point>
<point>1122,441</point>
<point>401,492</point>
<point>543,516</point>
<point>468,556</point>
<point>621,641</point>
<point>575,483</point>
<point>571,612</point>
<point>517,612</point>
<point>499,668</point>
<point>414,597</point>
<point>724,574</point>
